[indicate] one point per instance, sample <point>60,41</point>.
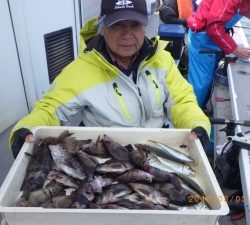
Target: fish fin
<point>145,192</point>
<point>64,135</point>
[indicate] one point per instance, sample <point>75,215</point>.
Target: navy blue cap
<point>113,11</point>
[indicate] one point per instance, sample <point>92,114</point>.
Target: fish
<point>59,139</point>
<point>61,178</point>
<point>128,204</point>
<point>165,177</point>
<point>154,162</point>
<point>170,166</point>
<point>140,205</point>
<point>100,160</point>
<point>88,163</point>
<point>179,168</point>
<point>191,183</point>
<point>39,165</point>
<point>99,182</point>
<point>84,195</point>
<point>138,158</point>
<point>96,148</point>
<point>63,201</point>
<point>168,152</point>
<point>150,194</point>
<point>112,206</point>
<point>38,197</point>
<point>116,150</point>
<point>66,162</point>
<point>70,144</point>
<point>178,197</point>
<point>114,167</point>
<point>134,197</point>
<point>135,175</point>
<point>113,193</point>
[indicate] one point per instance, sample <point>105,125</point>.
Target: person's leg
<point>201,68</point>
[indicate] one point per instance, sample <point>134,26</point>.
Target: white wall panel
<point>13,104</point>
<point>32,19</point>
<point>43,17</point>
<point>90,9</point>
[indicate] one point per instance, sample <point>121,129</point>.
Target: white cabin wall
<point>39,18</point>
<point>13,103</point>
<point>23,64</point>
<point>90,9</point>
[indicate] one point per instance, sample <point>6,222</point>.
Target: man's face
<point>124,38</point>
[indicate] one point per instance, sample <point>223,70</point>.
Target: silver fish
<point>166,151</point>
<point>66,162</point>
<point>155,162</point>
<point>177,167</point>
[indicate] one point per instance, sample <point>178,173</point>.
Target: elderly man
<point>120,79</point>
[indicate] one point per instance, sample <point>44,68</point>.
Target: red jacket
<point>212,15</point>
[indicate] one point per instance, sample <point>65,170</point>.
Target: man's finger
<point>193,136</point>
<point>29,138</point>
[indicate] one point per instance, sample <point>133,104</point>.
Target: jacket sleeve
<point>219,14</point>
<point>181,105</point>
<point>59,106</point>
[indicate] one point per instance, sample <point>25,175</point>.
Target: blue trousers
<point>201,66</point>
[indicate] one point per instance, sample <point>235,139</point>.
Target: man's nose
<point>127,31</point>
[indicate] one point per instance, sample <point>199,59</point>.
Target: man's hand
<point>200,132</point>
<point>242,53</point>
<point>21,136</point>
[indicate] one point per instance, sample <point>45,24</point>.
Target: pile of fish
<point>67,173</point>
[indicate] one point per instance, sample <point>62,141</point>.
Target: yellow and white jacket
<point>92,90</point>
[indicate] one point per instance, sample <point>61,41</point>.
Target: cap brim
<point>125,15</point>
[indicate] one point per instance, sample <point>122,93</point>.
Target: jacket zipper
<point>122,102</point>
<point>156,88</point>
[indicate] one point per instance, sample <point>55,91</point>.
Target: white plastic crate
<point>172,137</point>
